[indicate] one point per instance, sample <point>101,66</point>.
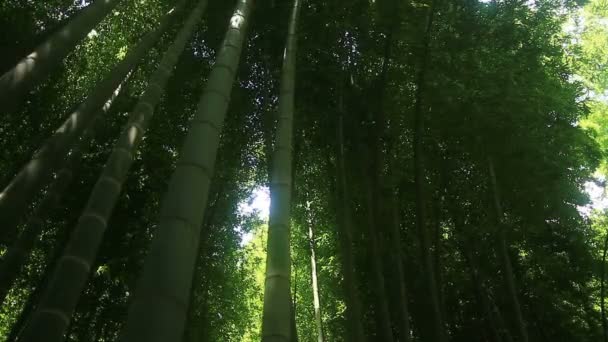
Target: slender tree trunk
<point>439,331</point>
<point>386,195</point>
<point>375,202</point>
<point>292,322</point>
<point>437,240</point>
<point>19,252</point>
<point>294,306</point>
<point>379,287</point>
<point>196,330</point>
<point>505,260</point>
<point>34,296</point>
<point>345,225</point>
<point>590,312</point>
<point>315,285</point>
<point>159,307</point>
<point>466,245</point>
<point>500,322</point>
<point>53,316</point>
<point>480,292</point>
<point>603,291</point>
<point>482,296</point>
<point>29,181</point>
<point>277,303</point>
<point>397,261</point>
<point>39,63</point>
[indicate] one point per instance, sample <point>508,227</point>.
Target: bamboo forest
<point>303,170</point>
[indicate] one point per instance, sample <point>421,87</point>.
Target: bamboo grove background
<point>429,166</point>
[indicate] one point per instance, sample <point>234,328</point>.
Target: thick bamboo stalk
<point>18,253</point>
<point>277,304</point>
<point>53,315</point>
<point>17,195</point>
<point>160,304</point>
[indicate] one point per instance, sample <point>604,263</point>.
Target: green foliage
<point>504,79</point>
<point>592,63</point>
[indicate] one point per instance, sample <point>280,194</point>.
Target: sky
<point>597,194</point>
<point>259,203</point>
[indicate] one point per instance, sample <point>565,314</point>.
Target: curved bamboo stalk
<point>34,67</point>
<point>160,303</point>
<point>18,253</point>
<point>15,198</point>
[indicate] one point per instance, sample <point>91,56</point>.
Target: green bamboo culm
<point>159,307</point>
<point>17,255</point>
<point>502,251</point>
<point>69,278</point>
<point>30,70</point>
<point>17,195</point>
<point>276,325</point>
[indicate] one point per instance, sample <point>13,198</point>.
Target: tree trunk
<point>315,285</point>
<point>397,261</point>
<point>440,334</point>
<point>72,272</point>
<point>466,243</point>
<point>384,189</point>
<point>29,71</point>
<point>345,236</point>
<point>18,253</point>
<point>195,330</point>
<point>292,322</point>
<point>480,292</point>
<point>437,237</point>
<point>379,287</point>
<point>505,260</point>
<point>34,296</point>
<point>29,181</point>
<point>160,303</point>
<point>277,303</point>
